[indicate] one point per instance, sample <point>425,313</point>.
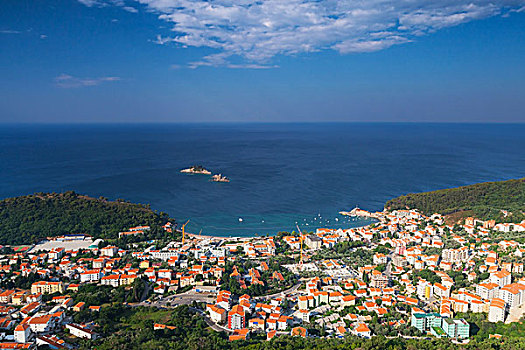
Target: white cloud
<point>68,81</point>
<point>258,30</point>
<point>10,31</point>
<point>91,3</point>
<point>130,9</point>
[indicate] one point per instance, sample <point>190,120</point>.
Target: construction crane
<point>183,232</point>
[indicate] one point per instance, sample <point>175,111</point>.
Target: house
<point>513,294</point>
<point>6,296</point>
<point>159,326</point>
<point>271,324</point>
<point>441,291</point>
<point>165,273</point>
<point>236,318</point>
<point>12,345</point>
<point>455,328</point>
<point>41,324</point>
<point>109,251</point>
<point>313,242</point>
<point>299,332</point>
<point>30,308</point>
<point>6,323</point>
<point>348,300</point>
<point>455,255</point>
<point>90,276</point>
<point>497,310</point>
<point>257,323</point>
<point>378,280</point>
<point>270,335</point>
<point>110,280</point>
<point>283,322</point>
<point>305,302</point>
<point>80,331</point>
<point>487,291</point>
<point>79,306</point>
<point>362,330</point>
<point>73,287</point>
<point>223,300</point>
<point>240,334</point>
<point>217,313</point>
<point>19,298</point>
<point>501,278</point>
<point>47,287</point>
<point>52,342</point>
<point>23,333</point>
<point>99,263</point>
<point>379,259</point>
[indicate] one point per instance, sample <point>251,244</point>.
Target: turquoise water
<point>280,173</point>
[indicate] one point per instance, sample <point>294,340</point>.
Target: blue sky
<point>262,61</point>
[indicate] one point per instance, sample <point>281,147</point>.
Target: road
<point>146,291</point>
<point>388,270</point>
<point>186,299</point>
<point>210,323</point>
<point>181,299</point>
<point>284,292</point>
<point>189,297</point>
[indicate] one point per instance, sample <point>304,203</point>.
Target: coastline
<point>353,222</point>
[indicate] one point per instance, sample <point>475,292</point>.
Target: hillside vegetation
<point>484,200</point>
<point>26,219</point>
<point>132,328</point>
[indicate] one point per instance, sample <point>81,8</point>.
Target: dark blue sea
<point>280,173</point>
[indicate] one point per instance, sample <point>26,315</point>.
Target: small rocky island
<point>196,169</point>
<point>220,178</point>
<point>199,169</point>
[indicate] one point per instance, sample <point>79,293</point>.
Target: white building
<point>379,259</point>
<point>487,291</point>
<point>501,278</point>
<point>455,255</point>
<point>165,273</point>
<point>80,332</point>
<point>41,324</point>
<point>497,310</point>
<point>164,254</point>
<point>91,276</point>
<point>111,280</point>
<point>23,333</point>
<point>217,314</point>
<point>513,294</point>
<point>509,227</point>
<point>424,290</point>
<point>109,251</point>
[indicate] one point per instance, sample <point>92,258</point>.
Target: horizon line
<point>86,123</point>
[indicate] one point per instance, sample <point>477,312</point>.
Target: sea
<point>282,175</point>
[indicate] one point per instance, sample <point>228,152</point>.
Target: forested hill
<point>26,219</point>
<point>484,200</point>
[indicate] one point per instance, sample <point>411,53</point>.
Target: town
<point>405,275</point>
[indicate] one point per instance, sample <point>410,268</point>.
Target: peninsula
<point>502,201</point>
